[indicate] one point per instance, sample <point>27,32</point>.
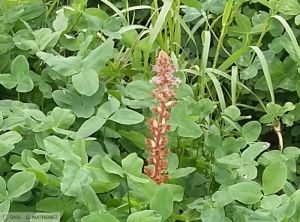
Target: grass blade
<point>134,8</point>
<point>205,52</point>
<point>226,76</point>
<point>234,80</point>
<point>266,71</point>
<point>233,58</point>
<point>159,22</point>
<point>114,8</point>
<point>198,25</point>
<point>153,32</point>
<point>290,33</point>
<point>130,27</point>
<point>204,59</point>
<point>218,90</point>
<point>187,30</point>
<point>227,12</point>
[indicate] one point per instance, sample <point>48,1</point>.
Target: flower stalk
<point>165,95</point>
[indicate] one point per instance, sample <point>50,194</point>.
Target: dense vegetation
<point>76,99</point>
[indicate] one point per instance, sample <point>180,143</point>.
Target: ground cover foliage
<point>76,100</point>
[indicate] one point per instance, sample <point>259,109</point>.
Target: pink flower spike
<point>165,95</point>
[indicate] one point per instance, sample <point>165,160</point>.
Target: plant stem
<point>128,195</point>
<point>267,25</point>
<point>277,129</point>
<point>220,44</point>
<point>157,171</point>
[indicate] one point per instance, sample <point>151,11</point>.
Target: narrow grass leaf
<point>226,76</point>
<point>289,32</point>
<point>130,27</point>
<point>205,52</point>
<point>227,11</point>
<point>233,58</point>
<point>266,71</point>
<point>218,90</point>
<point>114,8</point>
<point>198,25</point>
<point>234,80</point>
<point>134,8</point>
<point>159,22</point>
<point>188,31</point>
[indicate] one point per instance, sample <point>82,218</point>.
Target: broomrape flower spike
<point>165,95</point>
